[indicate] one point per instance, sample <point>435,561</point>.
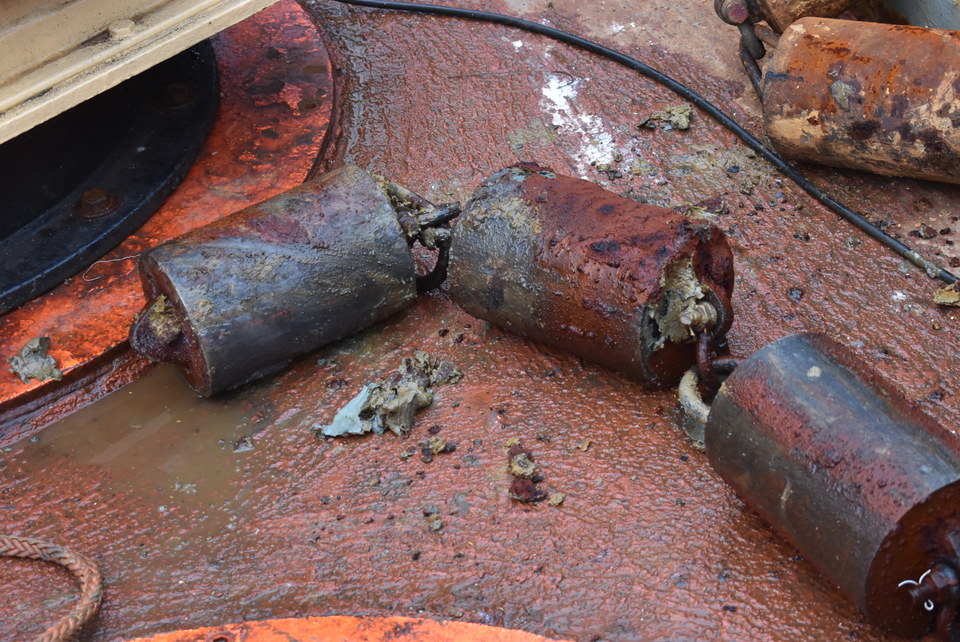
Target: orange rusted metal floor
<point>194,528</point>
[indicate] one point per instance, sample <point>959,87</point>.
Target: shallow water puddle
<point>153,436</point>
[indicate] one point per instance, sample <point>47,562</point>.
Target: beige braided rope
<point>85,569</point>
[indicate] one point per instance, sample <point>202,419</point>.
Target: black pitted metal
<point>77,185</point>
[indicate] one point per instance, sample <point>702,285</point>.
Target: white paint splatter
<point>899,296</point>
<point>596,144</point>
<point>517,44</point>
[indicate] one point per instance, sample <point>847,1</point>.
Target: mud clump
<point>433,446</point>
<point>675,117</point>
<point>525,486</point>
<point>164,321</point>
<point>947,296</point>
<point>392,403</point>
<point>33,362</point>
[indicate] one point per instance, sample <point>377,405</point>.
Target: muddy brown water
<point>156,438</point>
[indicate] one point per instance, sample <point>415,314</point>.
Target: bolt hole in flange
<point>77,185</point>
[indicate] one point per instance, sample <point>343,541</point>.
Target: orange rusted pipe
<point>572,265</point>
<point>876,97</point>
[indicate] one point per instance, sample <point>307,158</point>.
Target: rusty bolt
<point>735,12</point>
<point>121,28</point>
<point>96,202</point>
<point>940,586</point>
<point>699,317</point>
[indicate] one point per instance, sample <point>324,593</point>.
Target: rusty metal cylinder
<point>781,13</point>
<point>840,463</point>
<point>876,97</point>
<point>240,298</point>
<point>576,267</point>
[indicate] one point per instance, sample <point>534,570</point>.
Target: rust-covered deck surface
<point>193,528</point>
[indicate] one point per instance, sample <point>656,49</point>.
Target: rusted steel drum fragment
<point>571,265</point>
<point>240,298</point>
<point>780,13</point>
<point>881,98</point>
<point>841,464</point>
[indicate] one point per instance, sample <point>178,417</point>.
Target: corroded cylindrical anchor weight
<point>842,465</point>
<point>876,97</point>
<point>576,267</point>
<point>240,298</point>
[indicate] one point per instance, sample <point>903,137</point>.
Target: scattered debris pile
<point>33,362</point>
<point>393,402</point>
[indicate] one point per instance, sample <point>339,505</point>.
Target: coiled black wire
<point>929,267</point>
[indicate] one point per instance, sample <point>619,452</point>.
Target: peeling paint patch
<point>596,143</point>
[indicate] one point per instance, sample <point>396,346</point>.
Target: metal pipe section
<point>876,97</point>
<point>841,464</point>
<point>240,298</point>
<point>576,267</point>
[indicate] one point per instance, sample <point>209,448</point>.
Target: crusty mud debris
<point>947,295</point>
<point>525,486</point>
<point>675,117</point>
<point>33,362</point>
<point>433,446</point>
<point>392,403</point>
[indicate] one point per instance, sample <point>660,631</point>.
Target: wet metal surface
<point>191,526</point>
<point>649,542</point>
<point>842,465</point>
<point>833,94</point>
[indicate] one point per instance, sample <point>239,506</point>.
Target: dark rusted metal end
<point>867,96</point>
<point>95,203</point>
<point>240,298</point>
<point>736,12</point>
<point>574,266</point>
<point>842,465</point>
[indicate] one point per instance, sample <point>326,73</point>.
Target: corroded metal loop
<point>690,399</point>
<point>750,41</point>
<point>435,278</point>
<point>752,69</point>
<point>710,368</point>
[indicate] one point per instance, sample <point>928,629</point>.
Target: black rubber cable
<point>929,267</point>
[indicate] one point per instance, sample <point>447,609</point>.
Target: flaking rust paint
<point>649,543</point>
<point>276,88</point>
